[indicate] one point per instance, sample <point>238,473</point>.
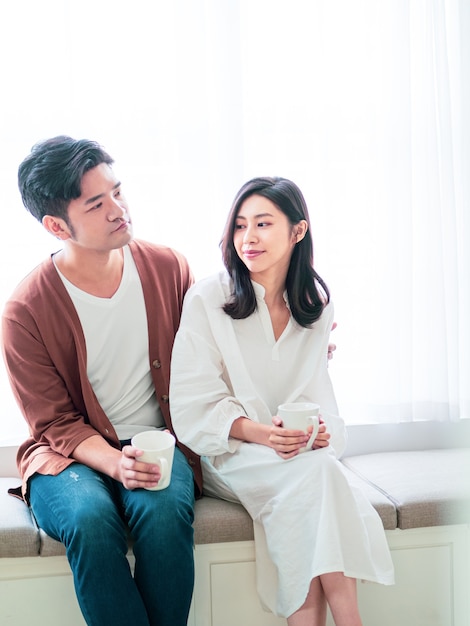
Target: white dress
<point>308,519</point>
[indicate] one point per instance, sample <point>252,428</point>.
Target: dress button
<point>156,364</point>
<point>165,399</point>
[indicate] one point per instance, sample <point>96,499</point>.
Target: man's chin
<point>126,235</point>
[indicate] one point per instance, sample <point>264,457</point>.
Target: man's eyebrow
<point>95,198</point>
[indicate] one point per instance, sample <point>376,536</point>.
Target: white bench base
<point>432,567</point>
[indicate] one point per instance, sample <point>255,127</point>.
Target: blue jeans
<point>90,513</point>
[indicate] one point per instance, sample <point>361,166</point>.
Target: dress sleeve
<point>202,403</point>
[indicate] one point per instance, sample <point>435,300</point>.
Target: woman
<point>250,339</point>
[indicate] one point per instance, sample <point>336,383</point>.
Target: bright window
<point>364,104</point>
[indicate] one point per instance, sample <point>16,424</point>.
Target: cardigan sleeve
<point>39,387</point>
<point>45,355</point>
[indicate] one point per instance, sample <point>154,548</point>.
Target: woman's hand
<point>322,439</point>
<point>287,442</point>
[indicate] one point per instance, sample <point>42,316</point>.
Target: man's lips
<point>122,226</point>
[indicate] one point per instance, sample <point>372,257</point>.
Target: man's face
<point>99,219</point>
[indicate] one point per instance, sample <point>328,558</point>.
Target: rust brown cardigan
<point>45,355</point>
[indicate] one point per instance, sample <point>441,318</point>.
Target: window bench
<point>422,496</point>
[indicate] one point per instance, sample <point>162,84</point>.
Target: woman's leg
<point>161,526</point>
<point>77,507</point>
<point>341,595</point>
<point>313,611</point>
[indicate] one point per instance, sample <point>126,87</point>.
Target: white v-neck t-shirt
<point>116,339</point>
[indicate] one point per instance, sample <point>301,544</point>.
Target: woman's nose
<point>249,234</point>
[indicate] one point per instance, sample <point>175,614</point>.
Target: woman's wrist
<point>252,432</point>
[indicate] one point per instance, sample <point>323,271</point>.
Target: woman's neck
<point>274,299</point>
<point>274,287</point>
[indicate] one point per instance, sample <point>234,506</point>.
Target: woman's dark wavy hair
<point>306,300</point>
<point>51,175</point>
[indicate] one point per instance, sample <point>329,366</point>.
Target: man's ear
<point>56,226</point>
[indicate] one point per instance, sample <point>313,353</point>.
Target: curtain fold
<point>364,104</point>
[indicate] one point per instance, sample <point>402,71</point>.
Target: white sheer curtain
<point>363,103</point>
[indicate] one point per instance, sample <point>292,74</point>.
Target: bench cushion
<point>428,487</point>
<point>216,521</point>
<point>220,521</point>
<point>408,490</point>
<point>18,532</point>
<point>383,505</point>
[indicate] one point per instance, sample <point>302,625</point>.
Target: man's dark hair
<point>51,176</point>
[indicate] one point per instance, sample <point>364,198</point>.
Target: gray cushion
<point>218,521</point>
<point>49,546</point>
<point>383,505</point>
<point>215,521</point>
<point>18,532</point>
<point>428,487</point>
<point>408,490</point>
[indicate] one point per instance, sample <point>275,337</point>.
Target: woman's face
<point>264,238</point>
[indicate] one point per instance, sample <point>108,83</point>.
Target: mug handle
<point>314,421</point>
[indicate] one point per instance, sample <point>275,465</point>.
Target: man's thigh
<point>162,505</point>
<point>76,495</point>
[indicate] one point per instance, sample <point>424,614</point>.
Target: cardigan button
<point>192,462</point>
<point>156,364</point>
<point>165,399</point>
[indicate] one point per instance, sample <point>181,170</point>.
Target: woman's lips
<point>252,254</point>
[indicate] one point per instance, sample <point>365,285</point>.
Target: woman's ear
<point>56,226</point>
<point>300,230</point>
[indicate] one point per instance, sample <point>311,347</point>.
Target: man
<point>87,339</point>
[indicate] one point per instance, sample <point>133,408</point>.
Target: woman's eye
<point>239,226</point>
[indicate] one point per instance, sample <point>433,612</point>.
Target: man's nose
<point>117,210</point>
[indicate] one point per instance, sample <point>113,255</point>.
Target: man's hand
<point>135,474</point>
<point>331,346</point>
<point>122,465</point>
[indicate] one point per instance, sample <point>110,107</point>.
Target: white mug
<point>299,416</point>
<point>158,448</point>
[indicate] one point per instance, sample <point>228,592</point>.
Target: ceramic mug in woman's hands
<point>299,416</point>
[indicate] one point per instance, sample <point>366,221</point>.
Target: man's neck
<point>96,273</point>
